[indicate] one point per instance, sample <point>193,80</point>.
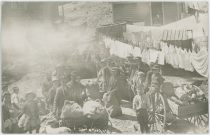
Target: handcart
<point>165,111</point>
<point>78,125</point>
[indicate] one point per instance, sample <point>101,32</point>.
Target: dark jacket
<point>60,96</point>
<point>73,91</point>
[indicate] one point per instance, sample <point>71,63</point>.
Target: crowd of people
<point>23,115</point>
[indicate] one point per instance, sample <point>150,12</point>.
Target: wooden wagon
<point>165,111</point>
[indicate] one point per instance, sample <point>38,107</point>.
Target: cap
<point>141,74</point>
<point>32,94</point>
<point>54,78</point>
<point>115,69</point>
<point>156,67</point>
<point>15,88</point>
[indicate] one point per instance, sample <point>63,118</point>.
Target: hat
<point>15,88</point>
<point>114,68</point>
<point>73,73</point>
<point>155,67</point>
<point>103,60</point>
<point>30,94</point>
<point>138,58</point>
<point>54,78</point>
<point>141,74</point>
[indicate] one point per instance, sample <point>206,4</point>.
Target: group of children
<point>19,115</point>
<point>147,86</point>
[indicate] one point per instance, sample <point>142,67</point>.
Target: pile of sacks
<point>184,94</point>
<point>71,110</point>
<point>94,109</point>
<point>73,115</point>
<point>189,94</point>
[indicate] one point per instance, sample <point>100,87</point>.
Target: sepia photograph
<point>104,67</point>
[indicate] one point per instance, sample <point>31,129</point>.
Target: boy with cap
<point>156,82</point>
<point>140,105</point>
<point>15,100</point>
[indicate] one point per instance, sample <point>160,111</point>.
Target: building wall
<point>33,10</point>
<point>170,12</point>
<point>146,12</point>
<point>131,12</point>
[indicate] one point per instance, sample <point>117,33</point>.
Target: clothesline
<point>167,54</point>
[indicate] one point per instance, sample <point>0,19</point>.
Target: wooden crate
<point>188,110</point>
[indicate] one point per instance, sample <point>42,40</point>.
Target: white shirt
<point>15,98</point>
<point>141,101</point>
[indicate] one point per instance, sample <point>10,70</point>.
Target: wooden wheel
<point>157,116</point>
<point>199,120</point>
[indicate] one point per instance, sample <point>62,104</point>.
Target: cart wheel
<point>199,120</point>
<point>157,117</point>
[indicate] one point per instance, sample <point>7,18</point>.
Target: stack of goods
<point>94,110</point>
<point>96,114</point>
<point>203,85</point>
<point>72,115</point>
<point>188,94</point>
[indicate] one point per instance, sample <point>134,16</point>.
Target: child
<point>31,113</point>
<point>140,105</point>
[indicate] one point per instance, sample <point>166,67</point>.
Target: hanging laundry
<point>156,34</point>
<point>175,58</point>
<point>145,56</point>
<point>136,52</point>
<point>180,35</point>
<point>156,44</point>
<point>200,62</point>
<point>180,56</point>
<point>153,55</point>
<point>177,35</point>
<point>169,35</point>
<point>161,58</point>
<point>172,35</point>
<point>186,64</point>
<point>190,66</point>
<point>164,47</point>
<point>164,35</point>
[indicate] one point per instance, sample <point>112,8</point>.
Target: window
<point>157,13</point>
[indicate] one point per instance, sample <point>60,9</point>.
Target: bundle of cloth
<point>72,116</point>
<point>71,109</point>
<point>94,109</point>
<point>189,94</point>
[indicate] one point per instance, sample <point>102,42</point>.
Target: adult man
<point>73,91</point>
<point>52,92</point>
<point>6,115</point>
<point>15,100</point>
<point>47,84</point>
<point>76,89</point>
<point>104,76</point>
